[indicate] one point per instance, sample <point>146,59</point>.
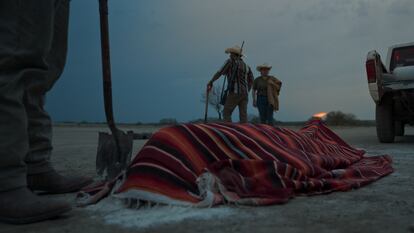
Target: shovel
<point>114,150</point>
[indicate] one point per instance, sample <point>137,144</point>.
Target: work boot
<point>21,206</point>
<point>53,183</point>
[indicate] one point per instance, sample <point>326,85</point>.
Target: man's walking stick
<point>206,108</point>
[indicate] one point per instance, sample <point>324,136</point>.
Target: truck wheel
<point>399,128</point>
<point>385,121</point>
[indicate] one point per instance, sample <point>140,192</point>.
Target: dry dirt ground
<point>384,206</point>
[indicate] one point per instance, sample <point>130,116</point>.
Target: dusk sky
<point>165,51</point>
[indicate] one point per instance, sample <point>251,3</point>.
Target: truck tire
<point>399,128</point>
<point>385,120</point>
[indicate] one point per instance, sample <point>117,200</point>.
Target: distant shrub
<point>168,121</point>
<point>338,118</point>
<point>209,120</point>
<point>214,100</point>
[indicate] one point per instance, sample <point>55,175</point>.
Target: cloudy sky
<point>165,51</point>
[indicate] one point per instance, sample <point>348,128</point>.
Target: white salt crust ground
<point>114,212</point>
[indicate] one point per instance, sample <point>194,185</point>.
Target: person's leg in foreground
<point>26,39</point>
<point>41,175</point>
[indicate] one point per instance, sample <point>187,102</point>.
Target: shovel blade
<point>110,163</point>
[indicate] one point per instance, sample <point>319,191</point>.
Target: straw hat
<point>235,50</point>
<point>263,66</point>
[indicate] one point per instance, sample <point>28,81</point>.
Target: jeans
<point>265,110</point>
<point>33,46</point>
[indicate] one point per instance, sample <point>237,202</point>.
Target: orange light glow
<point>320,115</point>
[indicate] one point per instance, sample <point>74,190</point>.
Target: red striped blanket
<point>210,164</point>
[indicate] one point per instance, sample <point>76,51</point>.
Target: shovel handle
<point>106,73</point>
<point>106,65</point>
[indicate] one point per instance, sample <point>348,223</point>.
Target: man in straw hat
<point>240,80</point>
<point>266,90</point>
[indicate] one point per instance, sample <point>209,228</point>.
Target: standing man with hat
<point>240,80</point>
<point>266,90</point>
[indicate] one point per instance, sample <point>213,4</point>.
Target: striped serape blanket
<point>249,164</point>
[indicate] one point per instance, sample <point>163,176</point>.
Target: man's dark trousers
<point>33,44</point>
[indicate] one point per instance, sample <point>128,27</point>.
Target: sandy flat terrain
<point>384,206</point>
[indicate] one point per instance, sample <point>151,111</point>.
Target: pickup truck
<point>392,88</point>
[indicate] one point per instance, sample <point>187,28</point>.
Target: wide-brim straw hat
<point>234,50</point>
<point>263,66</point>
